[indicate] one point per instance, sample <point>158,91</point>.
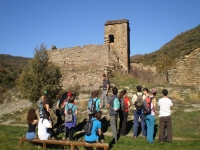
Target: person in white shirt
<point>44,127</point>
<point>165,105</point>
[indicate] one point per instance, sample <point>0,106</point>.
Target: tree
<point>39,75</point>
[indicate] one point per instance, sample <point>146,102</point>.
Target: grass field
<point>185,126</point>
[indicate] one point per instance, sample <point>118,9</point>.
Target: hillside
<point>10,68</point>
<point>166,56</point>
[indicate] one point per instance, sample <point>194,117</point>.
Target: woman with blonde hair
<point>32,122</point>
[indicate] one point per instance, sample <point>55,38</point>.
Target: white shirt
<point>42,129</point>
<point>134,98</point>
<point>164,104</point>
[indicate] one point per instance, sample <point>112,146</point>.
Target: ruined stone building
<point>187,70</point>
<point>85,65</point>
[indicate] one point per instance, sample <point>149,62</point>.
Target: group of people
<point>118,105</point>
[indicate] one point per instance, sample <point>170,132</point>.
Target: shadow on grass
<point>105,124</point>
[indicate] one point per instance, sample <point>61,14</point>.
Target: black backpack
<point>139,102</point>
<point>88,128</point>
<point>122,105</point>
<point>93,105</point>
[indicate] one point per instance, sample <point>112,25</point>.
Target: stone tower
<point>117,38</point>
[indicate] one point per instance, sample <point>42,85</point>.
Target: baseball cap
<point>69,94</point>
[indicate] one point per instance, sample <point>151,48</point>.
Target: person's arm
<point>47,107</point>
<point>57,105</point>
<point>109,102</point>
<point>99,131</point>
<point>154,103</point>
<point>76,112</point>
<point>65,111</point>
<point>35,121</point>
<point>133,100</point>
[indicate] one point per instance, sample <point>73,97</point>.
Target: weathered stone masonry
<point>85,65</point>
<point>187,70</point>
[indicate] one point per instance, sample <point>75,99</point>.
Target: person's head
<point>43,97</point>
<point>139,88</point>
<point>46,115</point>
<point>122,94</point>
<point>31,116</point>
<point>98,115</point>
<point>145,91</point>
<point>69,94</point>
<point>58,96</point>
<point>71,99</point>
<point>104,76</point>
<point>165,92</point>
<point>153,92</point>
<point>114,91</point>
<point>95,94</point>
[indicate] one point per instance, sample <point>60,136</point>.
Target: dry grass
<point>194,97</point>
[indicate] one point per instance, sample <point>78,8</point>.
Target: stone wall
<point>83,66</point>
<point>187,70</point>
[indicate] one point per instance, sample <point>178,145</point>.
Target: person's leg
<point>113,127</point>
<point>143,125</point>
<point>169,128</point>
<point>121,118</point>
<point>150,120</point>
<point>124,123</point>
<point>71,133</point>
<point>102,99</point>
<point>135,126</point>
<point>162,126</point>
<point>66,132</point>
<point>148,127</point>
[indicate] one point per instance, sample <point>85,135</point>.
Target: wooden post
<point>72,147</point>
<point>44,145</point>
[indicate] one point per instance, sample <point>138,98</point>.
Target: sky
<point>26,24</point>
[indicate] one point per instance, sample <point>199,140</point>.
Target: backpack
<point>69,115</point>
<point>88,128</point>
<point>147,106</point>
<point>139,102</point>
<point>92,107</point>
<point>54,107</point>
<point>116,104</point>
<point>122,104</point>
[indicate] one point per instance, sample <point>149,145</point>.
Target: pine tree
<point>39,75</point>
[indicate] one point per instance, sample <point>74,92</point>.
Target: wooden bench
<point>72,144</point>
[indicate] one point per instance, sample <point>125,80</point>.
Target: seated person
<point>45,131</point>
<point>96,133</point>
<point>32,122</point>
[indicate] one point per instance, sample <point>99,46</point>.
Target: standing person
<point>94,104</point>
<point>45,131</point>
<point>32,122</point>
<point>113,114</point>
<point>106,87</point>
<point>150,118</point>
<point>165,105</point>
<point>137,100</point>
<point>70,119</point>
<point>124,109</point>
<point>96,132</point>
<point>59,118</point>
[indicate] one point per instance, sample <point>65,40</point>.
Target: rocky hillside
<point>10,68</point>
<point>166,56</point>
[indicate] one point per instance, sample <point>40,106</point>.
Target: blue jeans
<point>150,121</point>
<point>137,114</point>
<point>30,135</point>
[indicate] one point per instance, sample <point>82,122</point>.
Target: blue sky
<point>25,24</point>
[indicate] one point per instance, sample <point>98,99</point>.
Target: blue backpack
<point>116,104</point>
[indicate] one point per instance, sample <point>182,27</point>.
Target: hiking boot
<point>53,138</point>
<point>63,138</point>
